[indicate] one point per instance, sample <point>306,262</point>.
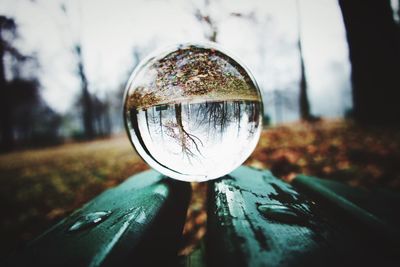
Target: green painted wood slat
<point>141,225</point>
<point>255,219</point>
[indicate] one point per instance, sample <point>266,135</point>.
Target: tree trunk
<point>303,99</point>
<point>107,119</point>
<point>374,50</point>
<point>187,141</point>
<point>304,105</point>
<point>7,140</point>
<point>88,116</point>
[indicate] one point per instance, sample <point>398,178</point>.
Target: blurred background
<point>327,69</point>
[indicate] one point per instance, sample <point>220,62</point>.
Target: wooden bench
<point>254,219</point>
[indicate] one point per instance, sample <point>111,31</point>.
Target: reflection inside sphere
<point>193,113</point>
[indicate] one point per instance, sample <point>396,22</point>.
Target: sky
<point>264,38</point>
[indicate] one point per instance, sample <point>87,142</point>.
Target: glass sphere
<point>193,113</point>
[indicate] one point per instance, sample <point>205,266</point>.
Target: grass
<point>39,187</point>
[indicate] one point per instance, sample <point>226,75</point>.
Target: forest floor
<point>41,186</point>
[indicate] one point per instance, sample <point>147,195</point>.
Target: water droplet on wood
<point>89,220</point>
<point>282,214</point>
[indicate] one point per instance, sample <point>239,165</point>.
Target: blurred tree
<point>34,123</point>
<point>22,96</point>
<point>303,97</point>
<point>102,121</point>
<point>374,46</point>
<point>116,99</point>
<point>18,91</point>
<point>87,105</point>
<point>25,117</point>
<point>203,15</point>
<point>398,13</point>
<point>304,104</point>
<point>86,98</point>
<point>46,125</point>
<point>7,25</point>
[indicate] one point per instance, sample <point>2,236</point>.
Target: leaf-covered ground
<point>334,149</point>
<point>39,187</point>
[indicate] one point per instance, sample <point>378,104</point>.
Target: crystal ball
<point>193,112</point>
